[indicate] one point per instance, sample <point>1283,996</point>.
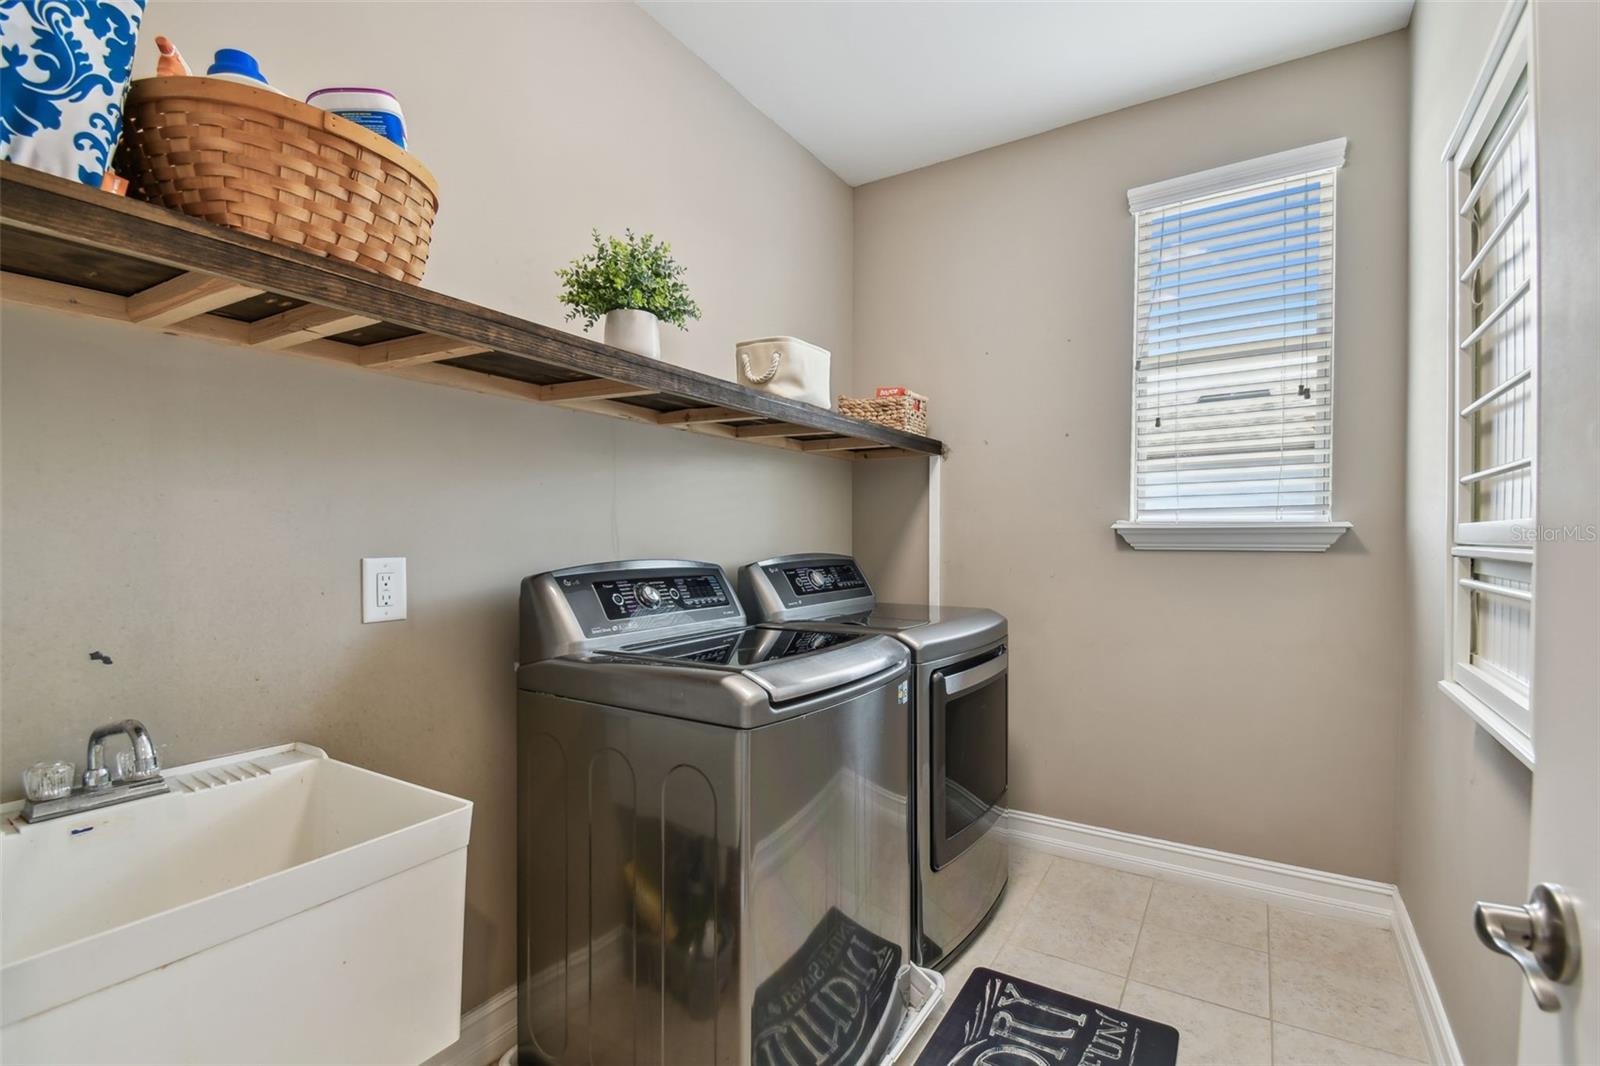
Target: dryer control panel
<point>798,587</point>
<point>819,578</point>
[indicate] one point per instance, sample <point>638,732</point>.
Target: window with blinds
<point>1233,342</point>
<point>1493,398</point>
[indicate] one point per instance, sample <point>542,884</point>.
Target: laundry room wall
<point>1242,701</point>
<point>198,513</point>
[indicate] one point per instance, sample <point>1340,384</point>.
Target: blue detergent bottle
<point>233,64</point>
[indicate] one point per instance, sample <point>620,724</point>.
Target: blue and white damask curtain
<point>64,67</point>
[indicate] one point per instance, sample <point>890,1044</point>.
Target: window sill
<point>1231,536</point>
<point>1492,722</point>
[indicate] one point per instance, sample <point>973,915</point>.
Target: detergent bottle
<point>233,64</point>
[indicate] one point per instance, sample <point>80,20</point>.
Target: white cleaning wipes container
<point>375,109</point>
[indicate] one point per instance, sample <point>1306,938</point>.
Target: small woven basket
<point>908,411</point>
<point>273,166</point>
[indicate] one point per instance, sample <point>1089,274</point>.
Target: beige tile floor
<point>1243,982</point>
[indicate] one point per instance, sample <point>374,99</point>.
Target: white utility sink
<point>275,906</point>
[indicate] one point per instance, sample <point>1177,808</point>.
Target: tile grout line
<point>1272,1035</point>
<point>1304,1028</point>
<point>1204,936</point>
<point>1214,940</point>
<point>1127,978</point>
<point>1352,1043</point>
<point>1213,1003</point>
<point>1040,951</point>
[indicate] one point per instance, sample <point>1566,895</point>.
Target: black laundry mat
<point>1000,1020</point>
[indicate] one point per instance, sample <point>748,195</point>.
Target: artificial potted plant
<point>634,284</point>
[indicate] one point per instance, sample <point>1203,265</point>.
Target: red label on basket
<point>891,390</point>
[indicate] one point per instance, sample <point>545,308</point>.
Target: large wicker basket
<point>907,411</point>
<point>269,165</point>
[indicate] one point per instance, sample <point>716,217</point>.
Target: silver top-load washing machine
<point>960,713</point>
<point>713,861</point>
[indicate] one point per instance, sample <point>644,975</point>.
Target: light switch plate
<point>383,589</point>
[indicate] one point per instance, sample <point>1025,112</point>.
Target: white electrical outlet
<point>383,590</point>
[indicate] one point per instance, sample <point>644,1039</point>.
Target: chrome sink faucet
<point>49,786</point>
<point>145,764</point>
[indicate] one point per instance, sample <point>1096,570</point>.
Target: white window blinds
<point>1233,352</point>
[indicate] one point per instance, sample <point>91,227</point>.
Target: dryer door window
<point>969,765</point>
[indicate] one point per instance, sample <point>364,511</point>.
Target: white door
<point>1566,668</point>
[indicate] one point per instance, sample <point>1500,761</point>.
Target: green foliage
<point>636,273</point>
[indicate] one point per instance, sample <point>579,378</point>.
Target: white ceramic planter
<point>638,332</point>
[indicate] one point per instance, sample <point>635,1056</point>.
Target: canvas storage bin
<point>785,366</point>
<point>68,67</point>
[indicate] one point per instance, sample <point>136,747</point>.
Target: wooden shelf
<point>81,251</point>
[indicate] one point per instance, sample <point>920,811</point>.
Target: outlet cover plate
<point>394,570</point>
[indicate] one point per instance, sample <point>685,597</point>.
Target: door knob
<point>1542,938</point>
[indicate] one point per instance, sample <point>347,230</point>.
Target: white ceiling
<point>875,89</point>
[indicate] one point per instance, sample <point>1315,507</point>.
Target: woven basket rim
<point>197,87</point>
<point>907,395</point>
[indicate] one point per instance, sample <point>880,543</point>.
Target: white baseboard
<point>1337,896</point>
<point>487,1030</point>
<point>1442,1047</point>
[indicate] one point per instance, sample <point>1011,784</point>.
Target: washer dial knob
<point>649,595</point>
<point>821,579</point>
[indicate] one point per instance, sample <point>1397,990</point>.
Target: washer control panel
<point>608,601</point>
<point>628,597</point>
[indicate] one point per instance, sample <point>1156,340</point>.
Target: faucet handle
<point>133,766</point>
<point>47,781</point>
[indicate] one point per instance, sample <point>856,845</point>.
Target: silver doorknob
<point>1542,938</point>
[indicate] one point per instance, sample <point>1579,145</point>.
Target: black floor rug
<point>1000,1020</point>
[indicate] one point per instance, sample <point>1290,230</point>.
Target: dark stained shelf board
<point>82,251</point>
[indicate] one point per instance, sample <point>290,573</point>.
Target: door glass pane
<point>974,754</point>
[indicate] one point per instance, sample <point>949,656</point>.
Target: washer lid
<point>790,664</point>
<point>738,678</point>
<point>740,648</point>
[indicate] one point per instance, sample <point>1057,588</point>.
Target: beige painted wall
<point>1248,702</point>
<point>893,546</point>
<point>1463,800</point>
<point>198,513</point>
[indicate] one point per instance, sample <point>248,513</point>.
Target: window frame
<point>1504,713</point>
<point>1275,535</point>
